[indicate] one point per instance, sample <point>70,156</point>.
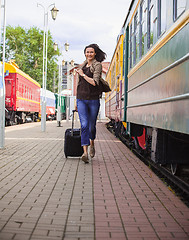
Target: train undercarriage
<point>19,117</point>
<point>166,148</point>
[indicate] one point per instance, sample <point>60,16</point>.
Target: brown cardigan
<point>96,69</point>
<point>85,90</point>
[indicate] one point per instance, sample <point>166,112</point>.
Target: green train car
<point>156,80</point>
<point>62,105</point>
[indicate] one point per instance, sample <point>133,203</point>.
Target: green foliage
<point>25,46</point>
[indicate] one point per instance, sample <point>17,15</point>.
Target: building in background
<point>66,78</point>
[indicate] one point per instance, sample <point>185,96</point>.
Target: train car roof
<point>13,68</point>
<point>124,24</point>
<point>118,40</point>
<point>49,94</point>
<point>130,12</point>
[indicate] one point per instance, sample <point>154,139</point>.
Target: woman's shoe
<point>92,151</point>
<point>84,158</point>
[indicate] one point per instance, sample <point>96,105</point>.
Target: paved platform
<point>43,195</point>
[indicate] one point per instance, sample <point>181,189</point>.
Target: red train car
<point>22,99</point>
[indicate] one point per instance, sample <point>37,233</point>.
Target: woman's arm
<point>88,79</point>
<point>97,72</point>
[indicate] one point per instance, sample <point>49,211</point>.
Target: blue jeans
<point>88,112</point>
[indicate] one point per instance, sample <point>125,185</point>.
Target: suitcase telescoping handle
<point>73,111</point>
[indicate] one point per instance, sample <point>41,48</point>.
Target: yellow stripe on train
<point>28,100</point>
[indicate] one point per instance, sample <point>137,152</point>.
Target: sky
<point>79,22</point>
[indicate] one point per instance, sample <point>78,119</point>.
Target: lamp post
<point>66,45</point>
<point>60,82</point>
<point>54,12</point>
<point>73,78</point>
<point>71,84</point>
<point>2,85</point>
<point>72,64</point>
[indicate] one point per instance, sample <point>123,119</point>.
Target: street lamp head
<point>54,12</point>
<point>55,46</point>
<point>63,62</point>
<point>72,63</point>
<point>66,46</point>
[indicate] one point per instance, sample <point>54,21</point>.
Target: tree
<point>25,46</point>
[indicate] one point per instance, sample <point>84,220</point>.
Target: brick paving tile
<point>141,199</point>
<point>45,196</point>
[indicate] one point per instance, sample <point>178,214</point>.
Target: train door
<point>117,107</point>
<point>125,73</point>
<point>9,98</point>
<point>117,99</point>
<point>120,99</point>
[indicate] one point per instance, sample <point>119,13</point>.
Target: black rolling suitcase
<point>72,141</point>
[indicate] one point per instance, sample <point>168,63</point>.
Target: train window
<point>22,90</point>
<point>124,54</point>
<point>142,29</point>
<point>117,62</point>
<point>145,17</point>
<point>130,46</point>
<point>135,36</point>
<point>161,17</point>
<point>113,76</point>
<point>150,35</point>
<point>179,7</point>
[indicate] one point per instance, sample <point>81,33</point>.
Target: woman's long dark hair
<point>100,55</point>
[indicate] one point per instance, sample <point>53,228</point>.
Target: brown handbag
<point>104,86</point>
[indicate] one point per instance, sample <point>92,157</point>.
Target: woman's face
<point>90,54</point>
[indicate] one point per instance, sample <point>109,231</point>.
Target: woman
<point>88,93</point>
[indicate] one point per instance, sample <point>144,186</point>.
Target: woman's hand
<point>80,71</point>
<point>88,79</point>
